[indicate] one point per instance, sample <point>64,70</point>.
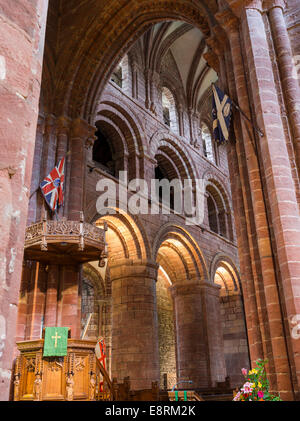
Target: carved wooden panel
<point>27,372</point>
<point>81,376</point>
<point>54,382</point>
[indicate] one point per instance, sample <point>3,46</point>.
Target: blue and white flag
<point>221,112</point>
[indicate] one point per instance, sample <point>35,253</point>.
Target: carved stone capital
<point>271,4</point>
<point>212,59</point>
<point>254,4</point>
<point>50,124</point>
<point>215,45</point>
<point>80,128</point>
<point>239,6</point>
<point>63,125</point>
<point>228,20</point>
<point>41,124</point>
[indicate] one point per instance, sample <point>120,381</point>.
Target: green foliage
<point>256,386</point>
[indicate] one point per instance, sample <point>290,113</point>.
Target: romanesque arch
<point>225,273</point>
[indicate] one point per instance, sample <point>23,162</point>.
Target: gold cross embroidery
<point>55,337</point>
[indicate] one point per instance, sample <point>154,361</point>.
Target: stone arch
<point>225,273</point>
<point>92,292</point>
<point>161,140</point>
<point>126,236</point>
<point>117,141</point>
<point>130,129</point>
<point>222,260</point>
<point>178,253</point>
<point>169,104</point>
<point>208,143</point>
<point>131,22</point>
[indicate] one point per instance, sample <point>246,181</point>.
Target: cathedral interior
<point>125,87</point>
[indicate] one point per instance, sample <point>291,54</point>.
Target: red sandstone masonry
<point>21,46</point>
<point>273,147</point>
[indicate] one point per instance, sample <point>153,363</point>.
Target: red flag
<point>53,186</point>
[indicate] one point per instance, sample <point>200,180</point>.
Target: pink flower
<point>260,394</point>
<point>247,388</point>
<point>244,371</point>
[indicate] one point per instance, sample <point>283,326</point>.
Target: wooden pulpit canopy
<point>65,242</point>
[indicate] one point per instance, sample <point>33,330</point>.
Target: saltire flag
<point>53,186</point>
<point>221,113</point>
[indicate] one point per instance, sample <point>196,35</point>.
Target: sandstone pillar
<point>192,358</point>
<point>36,301</point>
<point>134,322</point>
<point>69,312</point>
<point>21,55</point>
<point>35,199</point>
<point>81,136</point>
<point>268,291</point>
<point>200,353</point>
<point>280,186</point>
<point>62,131</point>
<point>51,296</point>
<point>290,83</point>
<point>213,331</point>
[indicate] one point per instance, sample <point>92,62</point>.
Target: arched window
<point>116,76</point>
<point>212,214</point>
<point>103,153</point>
<point>218,219</point>
<point>169,109</point>
<point>121,75</point>
<point>207,143</point>
<point>169,191</point>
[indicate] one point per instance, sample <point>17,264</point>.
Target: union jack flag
<point>53,186</point>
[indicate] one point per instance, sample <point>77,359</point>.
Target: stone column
<point>35,196</point>
<point>49,147</point>
<point>191,125</point>
<point>272,144</point>
<point>134,322</point>
<point>135,81</point>
<point>280,186</point>
<point>241,199</point>
<point>81,134</point>
<point>21,56</point>
<point>22,304</point>
<point>69,313</point>
<point>180,119</point>
<point>192,357</point>
<point>211,313</point>
<point>62,130</point>
<point>290,83</point>
<point>50,318</point>
<point>36,301</point>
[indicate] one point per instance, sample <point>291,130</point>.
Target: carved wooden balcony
<point>65,242</point>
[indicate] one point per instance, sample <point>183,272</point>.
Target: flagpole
<point>257,129</point>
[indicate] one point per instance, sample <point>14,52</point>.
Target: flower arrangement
<point>256,386</point>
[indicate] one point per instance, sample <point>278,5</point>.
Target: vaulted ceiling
<point>185,46</point>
